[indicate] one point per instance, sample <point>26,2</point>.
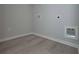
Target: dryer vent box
<point>71,32</point>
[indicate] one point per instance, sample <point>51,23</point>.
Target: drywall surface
<point>46,21</point>
<point>42,19</point>
<point>17,20</point>
<point>1,21</point>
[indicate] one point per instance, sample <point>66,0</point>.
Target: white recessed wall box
<point>71,32</point>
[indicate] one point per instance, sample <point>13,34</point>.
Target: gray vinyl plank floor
<point>35,45</point>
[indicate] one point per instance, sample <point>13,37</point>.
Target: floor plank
<point>35,45</point>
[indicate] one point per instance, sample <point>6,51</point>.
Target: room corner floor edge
<point>44,36</point>
<point>40,35</point>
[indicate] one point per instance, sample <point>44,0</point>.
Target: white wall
<point>17,20</point>
<point>1,21</point>
<point>49,25</point>
<point>22,19</point>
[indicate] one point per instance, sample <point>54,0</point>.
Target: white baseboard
<point>58,40</point>
<point>14,37</point>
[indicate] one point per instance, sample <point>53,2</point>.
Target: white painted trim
<point>10,38</point>
<point>58,40</point>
